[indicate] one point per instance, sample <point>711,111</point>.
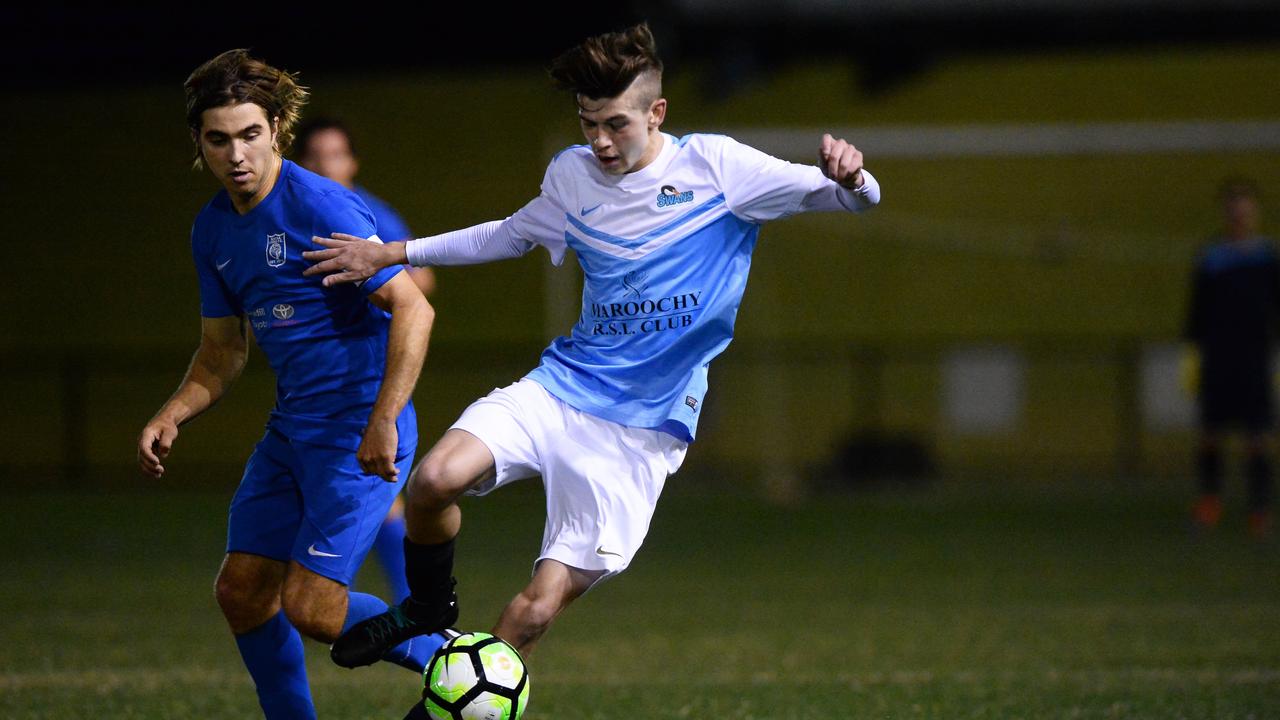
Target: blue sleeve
<point>216,299</point>
<point>345,212</point>
<point>392,227</point>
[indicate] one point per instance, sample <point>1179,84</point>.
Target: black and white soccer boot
<point>370,639</point>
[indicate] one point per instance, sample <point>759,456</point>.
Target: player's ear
<point>275,133</point>
<point>657,113</point>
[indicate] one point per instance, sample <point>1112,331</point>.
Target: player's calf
<point>528,616</point>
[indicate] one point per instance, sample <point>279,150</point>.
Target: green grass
<point>950,603</point>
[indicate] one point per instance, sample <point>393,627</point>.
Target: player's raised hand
<point>348,258</point>
<point>154,444</point>
<point>840,161</point>
<point>377,452</point>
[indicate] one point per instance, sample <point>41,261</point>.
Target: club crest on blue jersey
<point>671,196</point>
<point>275,250</point>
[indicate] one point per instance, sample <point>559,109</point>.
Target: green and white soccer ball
<point>475,676</point>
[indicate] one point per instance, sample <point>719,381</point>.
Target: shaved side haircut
<point>604,66</point>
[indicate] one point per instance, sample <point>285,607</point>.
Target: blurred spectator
<point>1232,322</point>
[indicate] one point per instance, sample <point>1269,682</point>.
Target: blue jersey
<point>665,253</point>
<point>1235,306</point>
<point>327,346</point>
<point>390,226</point>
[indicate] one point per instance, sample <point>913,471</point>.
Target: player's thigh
<point>343,508</point>
<point>248,589</point>
<point>455,464</point>
<point>495,441</point>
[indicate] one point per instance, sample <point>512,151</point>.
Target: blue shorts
<point>310,503</point>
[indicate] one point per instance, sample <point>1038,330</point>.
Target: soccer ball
<point>475,676</point>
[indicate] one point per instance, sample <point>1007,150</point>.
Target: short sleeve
<point>759,187</point>
<point>542,220</point>
<point>392,227</point>
<point>216,299</point>
<point>345,212</point>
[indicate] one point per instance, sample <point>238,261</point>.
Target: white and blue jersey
<point>327,346</point>
<point>665,252</point>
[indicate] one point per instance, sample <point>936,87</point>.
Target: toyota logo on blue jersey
<point>282,311</point>
<point>671,196</point>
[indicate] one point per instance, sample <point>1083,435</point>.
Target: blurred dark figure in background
<point>325,147</point>
<point>1234,314</point>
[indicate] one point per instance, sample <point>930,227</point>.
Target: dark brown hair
<point>604,66</point>
<point>317,125</point>
<point>233,78</point>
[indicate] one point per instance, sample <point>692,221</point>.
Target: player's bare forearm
<point>347,258</point>
<point>214,367</point>
<point>407,338</point>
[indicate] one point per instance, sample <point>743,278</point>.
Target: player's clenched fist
<point>154,444</point>
<point>841,162</point>
<point>377,452</point>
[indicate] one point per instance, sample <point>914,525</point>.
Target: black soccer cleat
<point>370,639</point>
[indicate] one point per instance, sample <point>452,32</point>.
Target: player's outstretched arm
<point>217,363</point>
<point>411,319</point>
<point>348,260</point>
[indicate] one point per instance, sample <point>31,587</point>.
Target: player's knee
<point>533,613</point>
<point>311,614</point>
<point>436,483</point>
<point>244,603</point>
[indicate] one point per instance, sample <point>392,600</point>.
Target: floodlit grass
<point>947,603</point>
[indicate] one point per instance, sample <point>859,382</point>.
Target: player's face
<point>239,146</point>
<point>622,131</point>
<point>328,153</point>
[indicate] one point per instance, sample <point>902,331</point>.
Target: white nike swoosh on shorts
<point>313,551</point>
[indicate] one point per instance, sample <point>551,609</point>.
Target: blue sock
<point>413,653</point>
<point>273,654</point>
<point>389,544</point>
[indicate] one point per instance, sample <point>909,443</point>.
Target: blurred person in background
<point>324,145</point>
<point>1231,325</point>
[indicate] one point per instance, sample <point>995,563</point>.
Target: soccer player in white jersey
<point>663,228</point>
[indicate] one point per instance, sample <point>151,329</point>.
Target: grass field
<point>945,603</point>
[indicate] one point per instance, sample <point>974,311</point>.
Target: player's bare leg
<point>530,613</point>
<point>315,604</point>
<point>248,590</point>
<point>456,463</point>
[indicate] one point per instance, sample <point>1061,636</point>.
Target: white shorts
<point>602,479</point>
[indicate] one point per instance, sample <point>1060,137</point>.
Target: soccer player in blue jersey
<point>342,435</point>
<point>1232,323</point>
<point>663,228</point>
